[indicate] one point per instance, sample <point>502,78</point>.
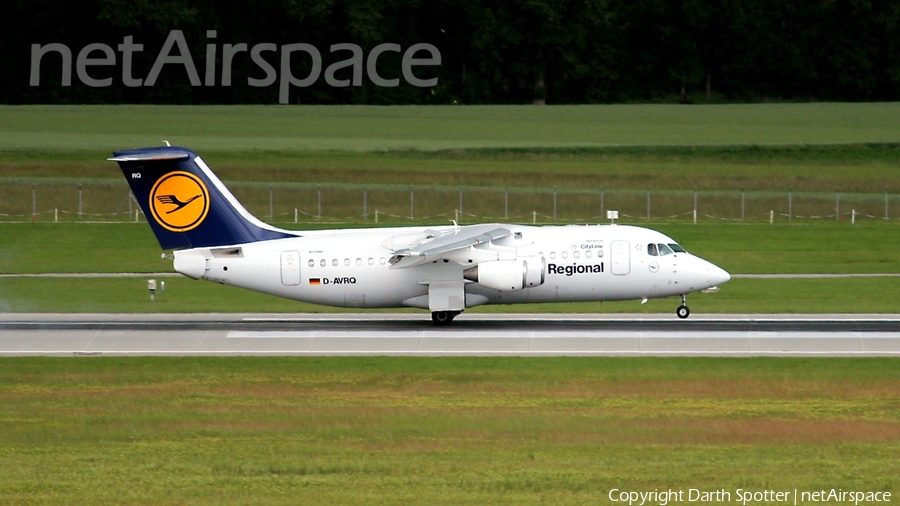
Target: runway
<point>412,334</point>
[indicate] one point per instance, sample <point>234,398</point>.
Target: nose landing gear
<point>683,311</point>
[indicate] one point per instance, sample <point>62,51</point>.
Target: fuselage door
<point>620,257</point>
<point>290,268</point>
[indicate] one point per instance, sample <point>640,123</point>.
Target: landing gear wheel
<point>683,311</point>
<point>443,317</point>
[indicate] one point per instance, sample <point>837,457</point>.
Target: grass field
<point>816,150</point>
<point>367,128</point>
<point>439,431</point>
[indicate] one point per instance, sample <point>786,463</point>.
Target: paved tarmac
<point>471,334</point>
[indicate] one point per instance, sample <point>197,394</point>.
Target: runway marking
<point>95,275</point>
<point>537,353</point>
<point>582,316</point>
<point>561,334</point>
<point>816,276</point>
<point>592,317</point>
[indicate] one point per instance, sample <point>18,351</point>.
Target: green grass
<point>439,431</point>
<point>814,149</point>
<point>835,248</point>
<point>862,175</point>
<point>810,147</point>
<point>366,128</point>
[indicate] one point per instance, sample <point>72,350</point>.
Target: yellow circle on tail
<point>179,201</point>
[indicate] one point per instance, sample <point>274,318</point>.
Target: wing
<point>451,240</point>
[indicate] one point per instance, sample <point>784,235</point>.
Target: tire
<point>683,312</point>
<point>442,317</point>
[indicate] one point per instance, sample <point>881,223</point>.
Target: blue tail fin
<point>186,204</point>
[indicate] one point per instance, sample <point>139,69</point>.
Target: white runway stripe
<point>639,334</point>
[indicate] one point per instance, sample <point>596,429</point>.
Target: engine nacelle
<point>508,275</point>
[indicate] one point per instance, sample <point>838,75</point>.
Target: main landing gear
<point>443,317</point>
<point>683,311</point>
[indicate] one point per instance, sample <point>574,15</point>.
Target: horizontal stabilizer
<point>151,157</point>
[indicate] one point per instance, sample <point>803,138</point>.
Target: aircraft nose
<point>716,274</point>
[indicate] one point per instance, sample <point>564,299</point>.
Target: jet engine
<point>508,275</point>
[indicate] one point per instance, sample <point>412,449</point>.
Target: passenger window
<point>651,250</point>
<point>312,263</point>
<point>359,261</point>
<point>322,262</point>
<point>576,254</point>
<point>587,254</point>
<point>565,254</point>
<point>382,261</point>
<point>677,249</point>
<point>552,255</point>
<point>346,262</point>
<point>371,261</point>
<point>334,262</point>
<point>665,250</point>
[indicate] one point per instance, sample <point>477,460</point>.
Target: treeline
<point>491,52</point>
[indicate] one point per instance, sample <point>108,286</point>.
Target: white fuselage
<point>352,268</point>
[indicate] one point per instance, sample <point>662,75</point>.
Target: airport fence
<point>68,200</point>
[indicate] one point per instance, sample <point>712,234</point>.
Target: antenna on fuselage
<point>612,216</point>
<point>167,143</point>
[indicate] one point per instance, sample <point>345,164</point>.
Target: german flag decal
<point>315,281</point>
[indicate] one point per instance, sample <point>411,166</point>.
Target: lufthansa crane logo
<point>179,201</point>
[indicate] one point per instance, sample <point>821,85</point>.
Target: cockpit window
<point>651,250</point>
<point>677,249</point>
<point>664,250</point>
